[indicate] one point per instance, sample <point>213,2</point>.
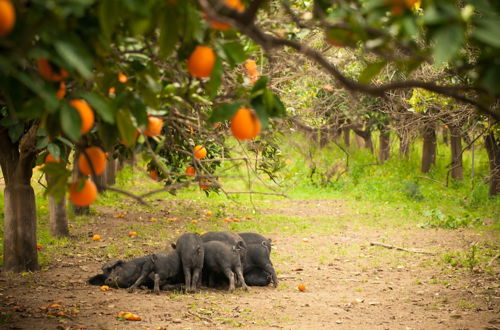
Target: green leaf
<point>259,107</point>
<point>54,150</point>
<point>139,111</point>
<point>224,112</point>
<point>126,127</point>
<point>16,131</point>
<point>370,71</point>
<point>279,108</point>
<point>168,33</point>
<point>235,53</point>
<point>488,31</point>
<point>74,52</point>
<point>215,78</point>
<point>108,16</point>
<point>101,106</point>
<point>58,176</point>
<point>447,42</point>
<point>71,122</point>
<point>260,85</point>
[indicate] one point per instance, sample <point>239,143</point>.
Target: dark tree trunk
<point>17,161</point>
<point>456,153</point>
<point>367,138</point>
<point>100,181</point>
<point>404,146</point>
<point>58,219</point>
<point>347,136</point>
<point>111,171</point>
<point>493,149</point>
<point>385,146</point>
<point>78,210</point>
<point>429,148</point>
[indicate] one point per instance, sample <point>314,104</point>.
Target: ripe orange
<point>47,70</point>
<point>132,234</point>
<point>227,220</point>
<point>122,78</point>
<point>49,158</point>
<point>245,124</point>
<point>97,158</point>
<point>201,62</point>
<point>194,221</point>
<point>200,152</point>
<point>61,91</point>
<point>85,196</point>
<point>153,174</point>
<point>38,246</point>
<point>154,126</point>
<point>203,184</point>
<point>104,288</point>
<point>251,66</point>
<point>7,17</point>
<point>96,237</point>
<point>86,114</point>
<point>112,91</point>
<point>208,213</point>
<point>131,317</point>
<point>302,287</point>
<point>236,220</point>
<point>190,171</point>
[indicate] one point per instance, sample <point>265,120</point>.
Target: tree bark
<point>58,218</point>
<point>78,210</point>
<point>456,153</point>
<point>492,145</point>
<point>445,134</point>
<point>17,161</point>
<point>111,171</point>
<point>429,148</point>
<point>347,136</point>
<point>385,146</point>
<point>367,138</point>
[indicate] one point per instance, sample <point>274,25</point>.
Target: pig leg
<point>270,269</point>
<point>196,277</point>
<point>157,284</point>
<point>187,278</point>
<point>241,279</point>
<point>230,276</point>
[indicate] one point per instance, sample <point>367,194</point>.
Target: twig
<point>126,193</point>
<point>168,188</point>
<point>255,193</point>
<point>201,317</point>
<point>400,248</point>
<point>493,260</point>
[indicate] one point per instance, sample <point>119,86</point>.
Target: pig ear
<point>173,246</point>
<point>154,257</point>
<point>270,241</point>
<point>112,264</point>
<point>240,245</point>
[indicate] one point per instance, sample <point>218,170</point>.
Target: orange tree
<point>89,73</point>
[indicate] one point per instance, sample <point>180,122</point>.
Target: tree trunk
<point>367,137</point>
<point>429,148</point>
<point>359,141</point>
<point>17,160</point>
<point>111,171</point>
<point>493,149</point>
<point>404,146</point>
<point>100,181</point>
<point>385,146</point>
<point>456,153</point>
<point>347,136</point>
<point>58,219</point>
<point>445,135</point>
<point>78,210</point>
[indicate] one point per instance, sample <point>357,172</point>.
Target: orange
<point>194,221</point>
<point>190,171</point>
<point>201,62</point>
<point>245,124</point>
<point>104,288</point>
<point>154,126</point>
<point>122,78</point>
<point>335,42</point>
<point>132,317</point>
<point>153,174</point>
<point>86,114</point>
<point>236,220</point>
<point>38,246</point>
<point>236,5</point>
<point>96,237</point>
<point>7,17</point>
<point>251,66</point>
<point>208,213</point>
<point>200,152</point>
<point>203,184</point>
<point>61,91</point>
<point>49,158</point>
<point>112,91</point>
<point>227,220</point>
<point>132,234</point>
<point>97,158</point>
<point>85,196</point>
<point>47,70</point>
<point>302,287</point>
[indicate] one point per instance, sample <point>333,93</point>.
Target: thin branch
<point>126,193</point>
<point>256,193</point>
<point>493,260</point>
<point>424,177</point>
<point>400,248</point>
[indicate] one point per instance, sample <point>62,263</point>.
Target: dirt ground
<point>349,284</point>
